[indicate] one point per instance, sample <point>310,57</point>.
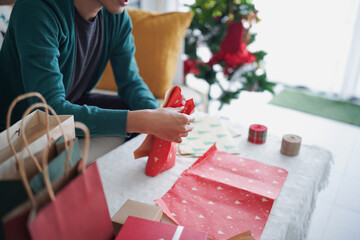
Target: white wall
<point>160,5</point>
<point>308,41</point>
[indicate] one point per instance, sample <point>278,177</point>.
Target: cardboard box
<point>243,236</point>
<point>135,209</point>
<point>142,229</point>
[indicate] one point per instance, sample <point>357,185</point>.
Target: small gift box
<point>135,209</point>
<point>142,229</point>
<point>243,236</point>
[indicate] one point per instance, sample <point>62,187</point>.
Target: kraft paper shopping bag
<point>39,126</point>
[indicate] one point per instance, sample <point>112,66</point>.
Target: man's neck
<point>88,9</point>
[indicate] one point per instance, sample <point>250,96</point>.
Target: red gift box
<point>143,229</point>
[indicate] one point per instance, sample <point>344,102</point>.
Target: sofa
<point>158,53</point>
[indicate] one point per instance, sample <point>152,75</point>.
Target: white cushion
<point>4,21</point>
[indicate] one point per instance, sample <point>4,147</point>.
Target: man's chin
<point>118,10</point>
<point>121,10</point>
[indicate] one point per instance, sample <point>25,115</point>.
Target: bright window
<point>308,42</point>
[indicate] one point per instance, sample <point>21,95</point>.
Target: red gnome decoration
<point>162,153</point>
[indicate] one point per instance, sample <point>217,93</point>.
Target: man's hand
<point>171,125</point>
<point>166,123</point>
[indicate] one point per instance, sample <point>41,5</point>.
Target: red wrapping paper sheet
<point>162,153</point>
<point>224,195</point>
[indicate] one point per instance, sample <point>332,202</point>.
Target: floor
<point>337,213</point>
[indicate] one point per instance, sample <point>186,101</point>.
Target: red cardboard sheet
<point>224,194</point>
<point>143,229</point>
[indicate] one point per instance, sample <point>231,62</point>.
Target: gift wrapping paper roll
<point>257,133</point>
<point>290,145</point>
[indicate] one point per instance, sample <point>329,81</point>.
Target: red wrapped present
<point>162,153</point>
<point>143,229</point>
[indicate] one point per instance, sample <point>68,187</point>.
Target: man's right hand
<point>165,123</point>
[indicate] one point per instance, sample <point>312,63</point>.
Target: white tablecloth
<point>123,178</point>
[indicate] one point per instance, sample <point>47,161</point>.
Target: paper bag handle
<point>47,107</point>
<point>47,181</point>
<point>21,164</point>
<point>8,120</point>
<point>45,173</point>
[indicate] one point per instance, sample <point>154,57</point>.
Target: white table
<point>123,178</point>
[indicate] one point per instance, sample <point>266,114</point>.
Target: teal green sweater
<point>38,54</point>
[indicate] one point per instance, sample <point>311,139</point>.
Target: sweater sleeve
<point>131,86</point>
<point>40,42</point>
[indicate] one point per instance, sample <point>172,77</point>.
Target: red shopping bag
<point>78,211</point>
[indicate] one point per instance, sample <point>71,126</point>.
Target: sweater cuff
<point>111,123</point>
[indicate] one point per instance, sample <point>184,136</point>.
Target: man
<point>60,48</point>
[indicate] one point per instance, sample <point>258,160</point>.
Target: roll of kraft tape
<point>290,145</point>
<point>257,134</point>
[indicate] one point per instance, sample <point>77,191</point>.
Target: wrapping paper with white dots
<point>224,195</point>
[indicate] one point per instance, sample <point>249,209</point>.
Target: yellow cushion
<point>158,42</point>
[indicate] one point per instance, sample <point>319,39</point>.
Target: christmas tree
<point>224,28</point>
